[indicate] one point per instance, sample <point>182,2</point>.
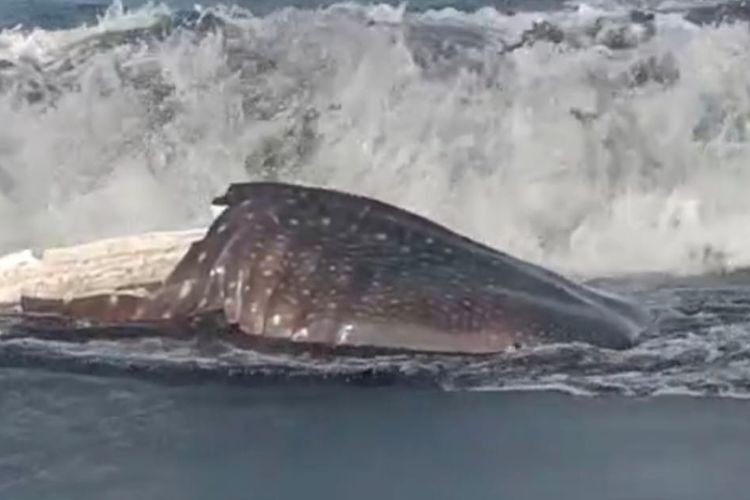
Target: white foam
<point>17,259</point>
<point>494,152</point>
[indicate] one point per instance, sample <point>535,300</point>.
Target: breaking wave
<point>593,141</point>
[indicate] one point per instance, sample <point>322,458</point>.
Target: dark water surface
<point>77,437</point>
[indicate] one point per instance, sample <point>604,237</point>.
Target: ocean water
<point>82,438</point>
<point>606,140</point>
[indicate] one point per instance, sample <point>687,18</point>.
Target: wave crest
<point>597,143</point>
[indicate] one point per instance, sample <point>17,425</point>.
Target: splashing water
<point>594,141</point>
<point>621,148</point>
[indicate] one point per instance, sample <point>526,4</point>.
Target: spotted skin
<point>312,265</point>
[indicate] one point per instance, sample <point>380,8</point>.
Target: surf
<point>602,144</point>
<point>569,150</point>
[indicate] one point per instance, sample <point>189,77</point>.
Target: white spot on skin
<point>166,315</point>
<point>300,334</point>
<point>238,287</point>
<point>276,320</point>
<point>306,292</point>
<point>254,307</point>
<point>293,222</point>
<point>221,228</point>
<point>202,256</point>
<point>267,273</point>
<point>185,289</point>
<point>203,303</point>
<point>344,333</point>
<point>326,221</point>
<point>429,241</point>
<point>113,299</point>
<point>381,236</point>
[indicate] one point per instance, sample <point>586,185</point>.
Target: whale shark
<point>304,266</point>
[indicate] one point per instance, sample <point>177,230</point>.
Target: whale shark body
<point>310,266</point>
